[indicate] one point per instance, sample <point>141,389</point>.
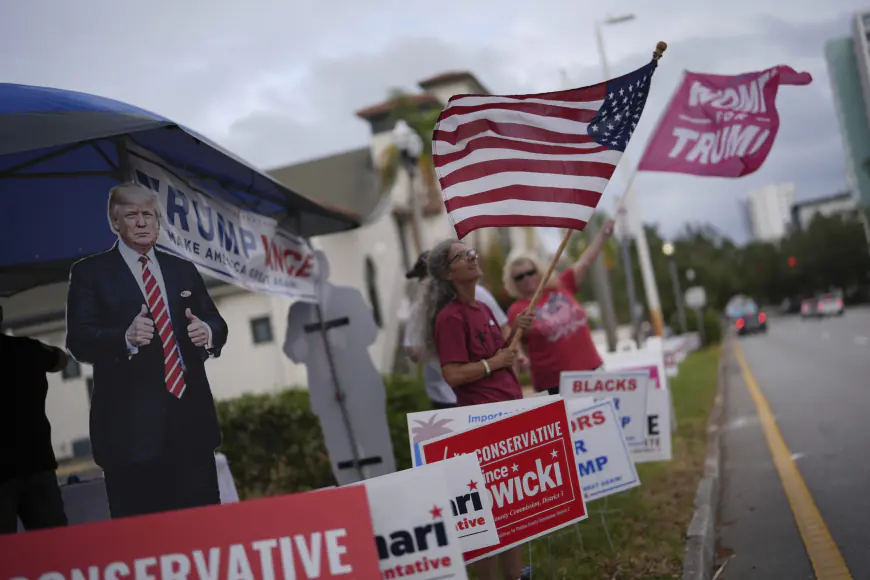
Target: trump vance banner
<point>236,246</point>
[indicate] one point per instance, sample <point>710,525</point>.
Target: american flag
<point>534,160</point>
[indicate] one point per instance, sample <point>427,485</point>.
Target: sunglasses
<point>469,255</point>
<point>523,275</point>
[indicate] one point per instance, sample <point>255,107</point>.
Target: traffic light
<point>791,262</point>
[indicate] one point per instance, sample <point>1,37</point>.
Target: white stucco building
<point>769,210</point>
<point>372,258</point>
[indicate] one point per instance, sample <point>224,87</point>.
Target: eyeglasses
<point>523,275</point>
<point>469,255</point>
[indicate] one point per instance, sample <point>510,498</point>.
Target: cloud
<point>279,82</point>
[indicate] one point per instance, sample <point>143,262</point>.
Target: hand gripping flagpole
<point>518,332</point>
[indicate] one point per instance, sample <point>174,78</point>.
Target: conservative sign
<point>426,425</point>
<point>529,471</point>
<point>239,247</point>
<point>318,535</point>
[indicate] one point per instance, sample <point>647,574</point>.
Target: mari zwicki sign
<point>528,466</point>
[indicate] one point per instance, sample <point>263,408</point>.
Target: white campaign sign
<point>470,505</point>
<point>603,458</point>
<point>659,419</point>
<point>426,425</point>
<point>627,388</point>
<point>236,246</point>
<point>414,531</point>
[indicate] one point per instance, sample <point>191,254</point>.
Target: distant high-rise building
<point>848,62</point>
<point>769,209</point>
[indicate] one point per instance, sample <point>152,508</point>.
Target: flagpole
<point>518,333</point>
<point>629,199</point>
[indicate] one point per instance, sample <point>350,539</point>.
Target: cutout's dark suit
<point>157,450</point>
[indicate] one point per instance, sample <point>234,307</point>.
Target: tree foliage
<point>830,253</point>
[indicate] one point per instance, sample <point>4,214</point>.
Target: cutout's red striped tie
<point>160,313</point>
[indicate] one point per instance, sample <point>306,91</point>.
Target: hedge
<point>274,444</point>
<point>712,325</point>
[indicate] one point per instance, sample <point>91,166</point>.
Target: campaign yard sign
<point>413,527</point>
<point>657,438</point>
<point>470,506</point>
<point>426,425</point>
<point>236,246</point>
<point>628,389</point>
<point>528,465</point>
<point>305,536</point>
<point>604,461</point>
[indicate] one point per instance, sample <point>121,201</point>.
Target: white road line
<point>860,340</point>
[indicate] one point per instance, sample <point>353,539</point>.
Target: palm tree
<point>422,120</point>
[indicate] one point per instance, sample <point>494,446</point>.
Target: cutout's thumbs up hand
<point>196,330</point>
<point>141,330</point>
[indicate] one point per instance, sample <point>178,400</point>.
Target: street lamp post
<point>625,247</point>
<point>600,281</point>
<point>668,250</point>
<point>630,203</point>
<point>410,146</point>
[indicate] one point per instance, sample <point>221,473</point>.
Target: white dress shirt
<point>131,258</point>
<point>436,387</point>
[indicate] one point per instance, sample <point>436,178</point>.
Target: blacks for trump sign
<point>529,473</point>
<point>237,246</point>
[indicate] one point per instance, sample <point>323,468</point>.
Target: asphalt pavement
<point>815,374</point>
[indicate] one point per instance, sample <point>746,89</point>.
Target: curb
<point>698,558</point>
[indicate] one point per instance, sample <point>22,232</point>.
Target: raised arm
<point>581,266</point>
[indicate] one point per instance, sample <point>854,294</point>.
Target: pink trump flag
<point>719,126</point>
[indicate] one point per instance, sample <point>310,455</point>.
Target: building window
<point>89,385</point>
<point>73,369</point>
<point>261,330</point>
<point>372,286</point>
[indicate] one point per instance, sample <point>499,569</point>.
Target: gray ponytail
<point>437,293</point>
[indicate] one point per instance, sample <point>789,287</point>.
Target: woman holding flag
<point>471,347</point>
<point>559,339</point>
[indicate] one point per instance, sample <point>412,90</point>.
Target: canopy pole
<point>125,168</point>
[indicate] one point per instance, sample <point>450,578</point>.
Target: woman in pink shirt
<point>471,346</point>
<point>559,339</point>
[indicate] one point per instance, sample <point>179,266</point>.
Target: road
<point>815,375</point>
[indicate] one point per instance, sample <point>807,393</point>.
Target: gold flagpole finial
<point>661,47</point>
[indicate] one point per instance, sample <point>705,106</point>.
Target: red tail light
<point>820,305</point>
<point>762,317</point>
<point>839,302</point>
<point>805,307</point>
<point>740,323</point>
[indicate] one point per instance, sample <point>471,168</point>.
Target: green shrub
<point>711,322</point>
<point>274,444</point>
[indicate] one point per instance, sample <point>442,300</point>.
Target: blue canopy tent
<point>60,153</point>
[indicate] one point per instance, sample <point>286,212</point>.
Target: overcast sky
<point>278,81</point>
